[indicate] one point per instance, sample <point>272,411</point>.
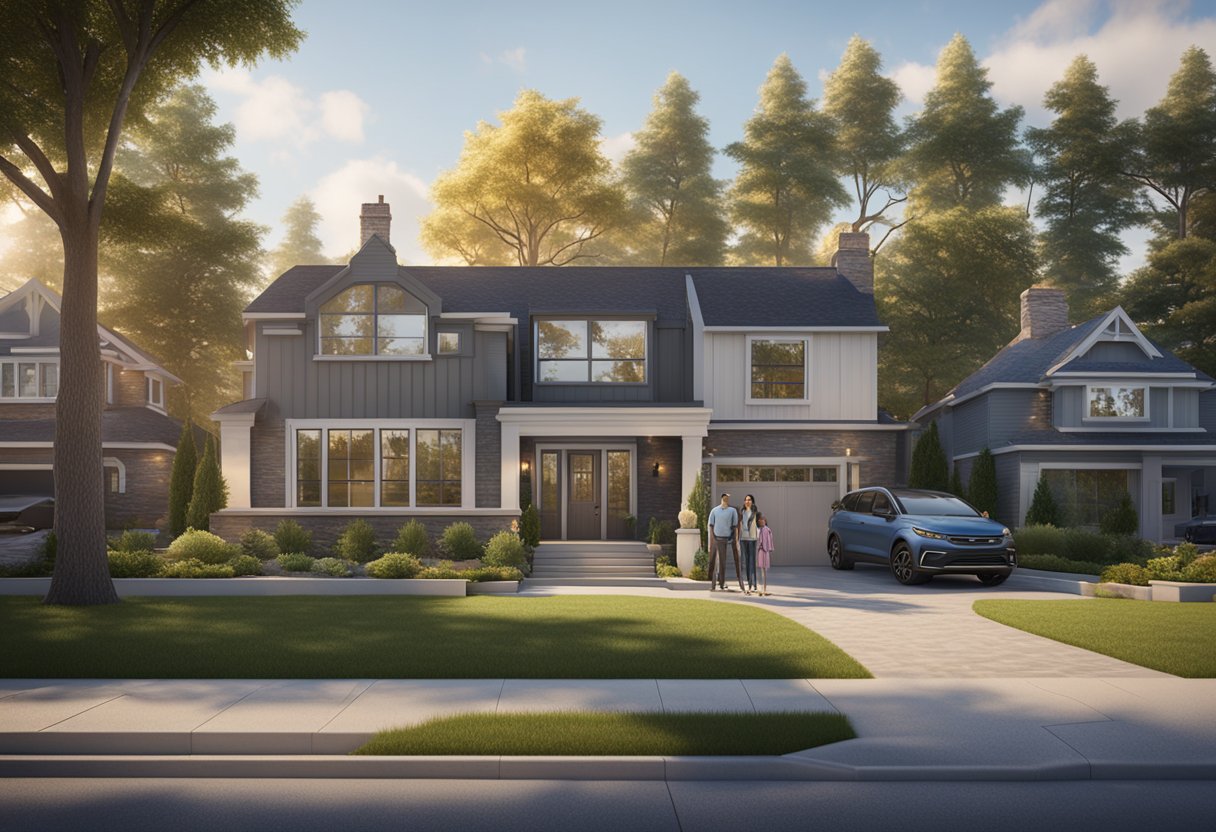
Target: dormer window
<point>373,319</point>
<point>156,392</point>
<point>1124,402</point>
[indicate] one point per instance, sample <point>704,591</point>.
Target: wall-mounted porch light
<point>654,472</point>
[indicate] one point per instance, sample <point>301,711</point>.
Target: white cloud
<point>514,59</point>
<point>275,109</point>
<point>615,147</point>
<point>340,194</point>
<point>914,80</point>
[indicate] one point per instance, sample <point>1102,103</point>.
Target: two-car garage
<point>795,499</point>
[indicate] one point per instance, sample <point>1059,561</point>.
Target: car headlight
<point>929,534</point>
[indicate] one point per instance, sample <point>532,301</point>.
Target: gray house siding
<point>1116,352</point>
<point>1008,489</point>
<point>1009,413</point>
<point>1207,410</point>
<point>970,427</point>
<point>1186,408</point>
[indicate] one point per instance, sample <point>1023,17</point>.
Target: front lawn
<point>613,734</point>
<point>1174,638</point>
<point>565,637</point>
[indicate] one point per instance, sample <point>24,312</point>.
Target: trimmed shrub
<point>210,492</point>
<point>443,571</point>
<point>492,573</point>
<point>193,568</point>
<point>1167,568</point>
<point>666,570</point>
<point>459,542</point>
<point>1128,548</point>
<point>698,501</point>
<point>1054,563</point>
<point>292,537</point>
<point>357,542</point>
<point>505,549</point>
<point>982,488</point>
<point>1039,540</point>
<point>294,562</point>
<point>1043,508</point>
<point>259,544</point>
<point>395,565</point>
<point>196,544</point>
<point>1201,570</point>
<point>413,539</point>
<point>334,567</point>
<point>525,488</point>
<point>1186,553</point>
<point>50,545</point>
<point>529,526</point>
<point>660,532</point>
<point>1122,519</point>
<point>700,566</point>
<point>181,480</point>
<point>1125,573</point>
<point>243,565</point>
<point>929,468</point>
<point>1080,545</point>
<point>127,563</point>
<point>687,519</point>
<point>956,483</point>
<point>133,541</point>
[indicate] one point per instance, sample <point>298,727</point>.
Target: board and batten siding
<point>843,377</point>
<point>444,387</point>
<point>970,434</point>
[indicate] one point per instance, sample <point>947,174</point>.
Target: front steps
<point>596,561</point>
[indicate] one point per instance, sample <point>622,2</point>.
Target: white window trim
<point>425,355</point>
<point>154,403</point>
<point>536,379</point>
<point>37,362</point>
<point>846,465</point>
<point>468,461</point>
<point>806,369</point>
<point>1106,420</point>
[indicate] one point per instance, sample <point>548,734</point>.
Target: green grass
<point>613,734</point>
<point>485,637</point>
<point>1174,638</point>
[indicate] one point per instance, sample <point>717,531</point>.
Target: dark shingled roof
<point>119,424</point>
<point>245,406</point>
<point>742,296</point>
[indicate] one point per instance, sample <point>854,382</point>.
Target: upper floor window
<point>373,319</point>
<point>581,351</point>
<point>449,343</point>
<point>156,392</point>
<point>778,369</point>
<point>1123,402</point>
<point>29,379</point>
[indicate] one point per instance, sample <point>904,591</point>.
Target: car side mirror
<point>885,513</point>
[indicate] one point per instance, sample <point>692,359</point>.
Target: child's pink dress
<point>764,547</point>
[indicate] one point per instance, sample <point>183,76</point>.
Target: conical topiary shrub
<point>1044,510</point>
<point>181,481</point>
<point>929,468</point>
<point>210,491</point>
<point>982,490</point>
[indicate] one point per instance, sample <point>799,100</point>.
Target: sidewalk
<point>908,729</point>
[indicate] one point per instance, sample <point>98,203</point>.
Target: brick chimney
<point>374,219</point>
<point>852,259</point>
<point>1044,312</point>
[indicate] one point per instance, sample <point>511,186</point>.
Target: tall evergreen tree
<point>963,149</point>
<point>210,493</point>
<point>184,264</point>
<point>929,467</point>
<point>786,187</point>
<point>982,488</point>
<point>1086,201</point>
<point>181,480</point>
<point>1044,511</point>
<point>1175,157</point>
<point>300,245</point>
<point>670,183</point>
<point>861,102</point>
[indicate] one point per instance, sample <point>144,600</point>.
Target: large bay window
<point>1117,402</point>
<point>29,379</point>
<point>389,466</point>
<point>1085,495</point>
<point>777,369</point>
<point>587,352</point>
<point>373,319</point>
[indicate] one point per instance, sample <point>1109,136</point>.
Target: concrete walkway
<point>911,631</point>
<point>908,728</point>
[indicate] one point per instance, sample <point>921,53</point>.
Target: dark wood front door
<point>583,495</point>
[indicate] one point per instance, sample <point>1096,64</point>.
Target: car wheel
<point>903,567</point>
<point>993,579</point>
<point>836,555</point>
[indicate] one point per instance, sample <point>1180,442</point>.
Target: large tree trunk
<point>82,573</point>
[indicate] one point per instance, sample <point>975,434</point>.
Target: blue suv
<point>918,534</point>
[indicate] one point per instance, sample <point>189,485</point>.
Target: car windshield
<point>936,505</point>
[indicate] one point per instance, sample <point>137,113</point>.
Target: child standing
<point>764,547</point>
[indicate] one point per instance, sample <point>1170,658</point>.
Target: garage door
<point>796,499</point>
<point>25,482</point>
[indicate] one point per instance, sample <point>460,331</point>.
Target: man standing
<point>723,528</point>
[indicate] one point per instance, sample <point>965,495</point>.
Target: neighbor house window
<point>438,468</point>
<point>1117,403</point>
<point>449,343</point>
<point>778,369</point>
<point>1085,495</point>
<point>156,392</point>
<point>600,352</point>
<point>29,379</point>
<point>373,319</point>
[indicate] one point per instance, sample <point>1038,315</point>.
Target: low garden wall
<point>259,586</point>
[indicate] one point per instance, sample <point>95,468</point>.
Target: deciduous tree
<point>300,245</point>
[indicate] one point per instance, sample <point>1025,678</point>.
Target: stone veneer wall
<point>269,464</point>
<point>326,528</point>
<point>659,496</point>
<point>875,450</point>
<point>30,410</point>
<point>489,455</point>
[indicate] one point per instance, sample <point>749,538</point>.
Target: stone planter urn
<point>688,541</point>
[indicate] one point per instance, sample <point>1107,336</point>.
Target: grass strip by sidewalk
<point>576,733</point>
<point>482,637</point>
<point>1173,638</point>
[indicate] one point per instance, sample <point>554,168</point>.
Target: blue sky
<point>378,97</point>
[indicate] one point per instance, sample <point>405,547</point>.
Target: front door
<point>583,500</point>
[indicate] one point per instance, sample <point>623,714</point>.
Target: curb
<point>669,769</point>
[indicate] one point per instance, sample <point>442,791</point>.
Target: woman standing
<point>747,539</point>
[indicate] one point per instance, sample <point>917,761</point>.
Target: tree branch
<point>34,153</point>
<point>38,196</point>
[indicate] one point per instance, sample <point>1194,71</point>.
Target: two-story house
<point>139,438</point>
<point>390,392</point>
<point>1096,408</point>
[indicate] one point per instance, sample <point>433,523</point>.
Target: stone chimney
<point>852,259</point>
<point>374,219</point>
<point>1044,312</point>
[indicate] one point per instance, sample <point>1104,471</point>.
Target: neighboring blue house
<point>1098,409</point>
<point>395,392</point>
